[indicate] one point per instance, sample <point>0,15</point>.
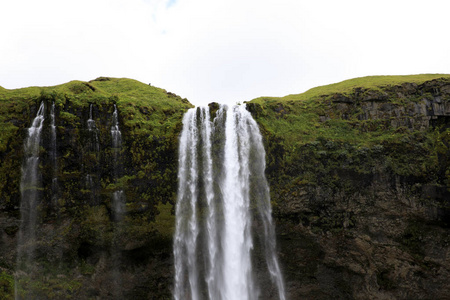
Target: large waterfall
<point>223,210</point>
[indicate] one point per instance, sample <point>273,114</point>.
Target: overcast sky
<point>226,51</point>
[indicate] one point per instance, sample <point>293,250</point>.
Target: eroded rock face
<point>408,105</point>
<point>81,250</point>
<point>354,225</point>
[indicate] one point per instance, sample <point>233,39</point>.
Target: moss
<point>57,286</point>
<point>6,286</point>
<point>165,220</point>
<point>370,82</point>
<point>317,113</point>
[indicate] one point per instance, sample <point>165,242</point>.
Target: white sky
<point>226,51</point>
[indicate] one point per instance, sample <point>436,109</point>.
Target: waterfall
<point>93,134</point>
<point>53,154</point>
<point>185,241</point>
<point>222,188</point>
<point>117,206</point>
<point>118,199</point>
<point>92,158</point>
<point>29,188</point>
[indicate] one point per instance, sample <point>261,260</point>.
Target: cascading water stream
<point>92,128</point>
<point>211,219</point>
<point>118,205</point>
<point>222,187</point>
<point>29,188</point>
<point>29,185</point>
<point>53,154</point>
<point>94,151</point>
<point>238,281</point>
<point>116,138</point>
<point>185,242</point>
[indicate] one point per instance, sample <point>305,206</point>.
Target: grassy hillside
<point>349,124</point>
<point>297,118</point>
<point>135,101</point>
<point>348,86</point>
<point>89,172</point>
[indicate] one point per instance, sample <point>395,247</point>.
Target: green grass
<point>368,82</point>
<point>144,109</point>
<point>297,118</point>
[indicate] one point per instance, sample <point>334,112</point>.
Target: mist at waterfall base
<point>224,244</point>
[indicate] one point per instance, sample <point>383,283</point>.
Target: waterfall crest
<point>222,188</point>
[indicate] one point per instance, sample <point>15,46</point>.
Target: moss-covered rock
<point>359,172</point>
<point>76,230</point>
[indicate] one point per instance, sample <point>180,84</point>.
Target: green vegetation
<point>336,137</point>
<point>135,100</point>
<point>81,212</point>
<point>331,154</point>
<point>61,286</point>
<point>317,113</point>
<point>6,286</point>
<point>368,82</point>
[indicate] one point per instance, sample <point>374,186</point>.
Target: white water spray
<point>29,185</point>
<point>92,159</point>
<point>118,198</point>
<point>53,154</point>
<point>221,177</point>
<point>29,188</point>
<point>92,128</point>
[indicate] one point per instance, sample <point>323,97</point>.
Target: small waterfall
<point>93,132</point>
<point>222,188</point>
<point>92,158</point>
<point>118,199</point>
<point>118,205</point>
<point>29,188</point>
<point>53,154</point>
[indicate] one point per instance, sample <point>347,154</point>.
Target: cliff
<point>359,174</point>
<point>360,177</point>
<point>77,239</point>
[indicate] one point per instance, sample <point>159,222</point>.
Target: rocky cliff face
<point>365,219</point>
<point>82,251</point>
<point>359,183</point>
